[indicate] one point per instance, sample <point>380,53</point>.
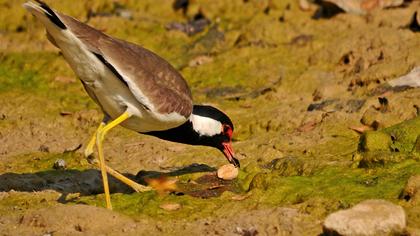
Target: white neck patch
<point>205,125</point>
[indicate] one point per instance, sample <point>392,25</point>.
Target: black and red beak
<point>229,154</point>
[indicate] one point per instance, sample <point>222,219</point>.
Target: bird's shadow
<point>84,182</point>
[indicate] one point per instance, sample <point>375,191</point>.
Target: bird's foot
<point>88,153</point>
<point>92,160</point>
<point>141,188</point>
<point>134,185</point>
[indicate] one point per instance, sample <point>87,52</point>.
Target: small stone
<point>227,172</point>
<point>124,13</point>
<point>370,217</point>
<point>170,206</point>
<point>60,164</point>
<point>43,148</point>
<point>412,79</point>
<point>411,191</point>
<point>304,5</point>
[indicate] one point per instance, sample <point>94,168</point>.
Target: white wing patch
<point>205,125</point>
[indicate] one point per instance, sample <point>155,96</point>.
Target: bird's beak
<point>228,151</point>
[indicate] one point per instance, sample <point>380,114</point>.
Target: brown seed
<point>227,172</point>
<point>170,206</point>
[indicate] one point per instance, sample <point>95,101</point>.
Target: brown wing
<point>142,69</point>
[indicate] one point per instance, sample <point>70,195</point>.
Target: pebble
<point>370,217</point>
<point>227,172</point>
<point>411,191</point>
<point>304,5</point>
<point>124,13</point>
<point>60,164</point>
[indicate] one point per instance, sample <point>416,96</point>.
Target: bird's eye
<point>226,128</point>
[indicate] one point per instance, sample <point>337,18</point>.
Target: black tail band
<point>51,15</point>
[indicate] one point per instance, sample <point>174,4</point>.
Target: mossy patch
<point>404,135</point>
<point>375,141</point>
<point>39,162</point>
<point>391,144</point>
<point>339,186</point>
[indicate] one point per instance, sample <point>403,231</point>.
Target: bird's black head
<point>206,126</point>
<point>214,128</point>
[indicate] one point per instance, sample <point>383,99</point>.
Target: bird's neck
<point>196,131</point>
<point>181,134</point>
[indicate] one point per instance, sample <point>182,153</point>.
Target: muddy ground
<point>297,84</point>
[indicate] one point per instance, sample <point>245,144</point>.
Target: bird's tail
<point>44,13</point>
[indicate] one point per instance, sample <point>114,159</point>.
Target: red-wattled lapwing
<point>135,88</point>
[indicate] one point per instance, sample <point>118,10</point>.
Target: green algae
<point>11,76</point>
<point>33,75</point>
<point>404,135</point>
<point>40,162</point>
<point>374,141</point>
<point>138,205</point>
<point>338,187</point>
<point>392,144</point>
<point>339,184</point>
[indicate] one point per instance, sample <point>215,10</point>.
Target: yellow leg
<point>100,135</point>
<point>92,142</point>
<point>89,151</point>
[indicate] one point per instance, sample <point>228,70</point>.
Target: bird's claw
<point>141,188</point>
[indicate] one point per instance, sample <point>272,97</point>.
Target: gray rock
<point>411,79</point>
<point>370,217</point>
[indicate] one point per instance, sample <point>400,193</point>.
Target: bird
<point>134,88</point>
